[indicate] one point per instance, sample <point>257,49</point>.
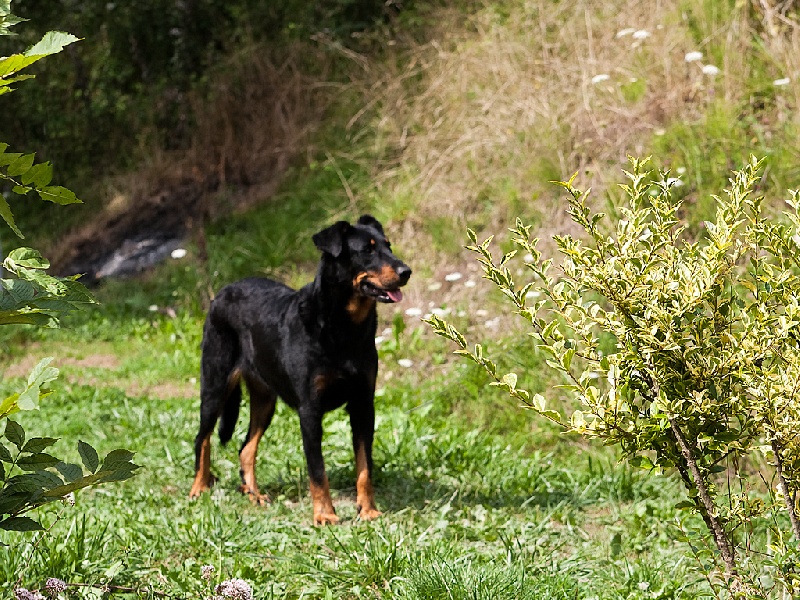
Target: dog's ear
<point>331,239</point>
<point>370,221</point>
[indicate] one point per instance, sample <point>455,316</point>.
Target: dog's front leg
<point>311,428</point>
<point>362,422</point>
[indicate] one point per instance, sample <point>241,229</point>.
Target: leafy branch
<point>705,363</point>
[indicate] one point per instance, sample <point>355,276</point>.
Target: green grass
<point>479,500</point>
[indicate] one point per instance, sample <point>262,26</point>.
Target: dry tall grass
<point>498,101</point>
<point>256,116</point>
<point>467,126</point>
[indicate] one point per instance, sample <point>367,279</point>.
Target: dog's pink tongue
<point>395,296</point>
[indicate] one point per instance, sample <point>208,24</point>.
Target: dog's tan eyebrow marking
<point>372,242</point>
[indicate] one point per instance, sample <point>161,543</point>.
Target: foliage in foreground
<point>30,476</point>
<point>703,370</point>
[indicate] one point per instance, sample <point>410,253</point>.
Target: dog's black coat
<point>314,347</point>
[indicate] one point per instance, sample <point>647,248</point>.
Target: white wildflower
<point>674,181</point>
<point>642,34</point>
<point>178,253</point>
<point>405,363</point>
<point>23,594</point>
<point>379,340</point>
<point>153,308</point>
<point>693,56</point>
<point>470,283</point>
<point>453,276</point>
<point>55,586</point>
<point>782,81</point>
<point>481,312</point>
<point>413,312</point>
<point>624,32</point>
<point>238,589</point>
<point>207,572</point>
<point>600,78</point>
<point>434,285</point>
<point>680,170</point>
<point>710,70</point>
<point>441,312</point>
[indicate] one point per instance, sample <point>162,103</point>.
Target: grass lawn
<point>480,500</point>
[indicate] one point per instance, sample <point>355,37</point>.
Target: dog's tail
<point>220,376</point>
<point>230,410</point>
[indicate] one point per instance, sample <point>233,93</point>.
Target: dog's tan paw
<point>325,519</point>
<point>255,496</point>
<point>201,485</point>
<point>368,514</point>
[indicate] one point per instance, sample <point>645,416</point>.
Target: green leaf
<point>642,462</point>
<point>58,195</point>
<point>20,524</point>
<point>116,459</point>
<point>15,433</point>
<point>9,405</point>
<point>39,175</point>
<point>5,455</point>
<point>69,471</point>
<point>8,217</point>
<point>38,444</point>
<point>52,43</point>
<point>21,165</point>
<point>11,501</point>
<point>28,257</point>
<point>6,158</point>
<point>36,462</point>
<point>510,379</point>
<point>41,375</point>
<point>88,456</point>
<point>16,62</point>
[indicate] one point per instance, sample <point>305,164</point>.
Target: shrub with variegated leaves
<point>703,373</point>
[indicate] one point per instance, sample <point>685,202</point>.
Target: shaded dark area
<point>226,94</point>
<point>127,81</point>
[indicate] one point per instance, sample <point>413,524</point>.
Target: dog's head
<point>364,253</point>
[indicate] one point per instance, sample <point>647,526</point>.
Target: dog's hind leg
<point>262,408</point>
<point>218,382</point>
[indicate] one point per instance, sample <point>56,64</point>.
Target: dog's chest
<point>341,382</point>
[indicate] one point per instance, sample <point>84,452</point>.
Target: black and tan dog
<point>314,347</point>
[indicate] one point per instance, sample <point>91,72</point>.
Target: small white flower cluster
<point>23,594</point>
<point>207,572</point>
<point>697,56</point>
<point>54,586</point>
<point>637,34</point>
<point>238,589</point>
